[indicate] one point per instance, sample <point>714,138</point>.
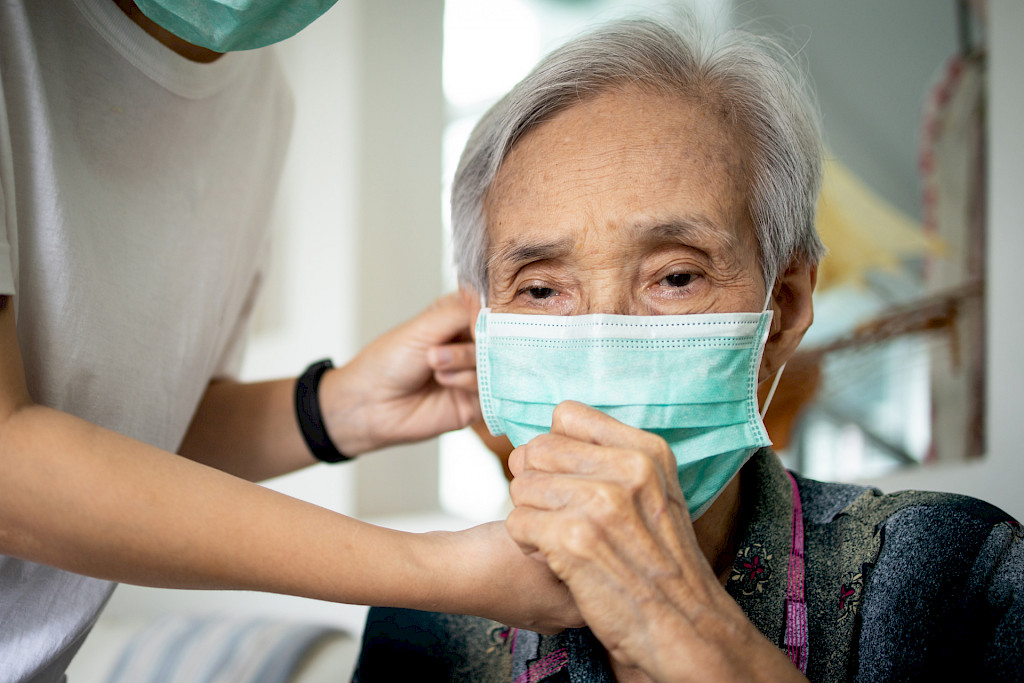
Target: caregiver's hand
<point>414,382</point>
<point>600,502</point>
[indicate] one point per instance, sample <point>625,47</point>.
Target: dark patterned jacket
<point>910,586</point>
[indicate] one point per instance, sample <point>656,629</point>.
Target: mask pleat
<point>644,416</point>
<point>666,375</point>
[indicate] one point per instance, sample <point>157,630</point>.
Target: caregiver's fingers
<point>445,321</point>
<point>459,379</point>
<point>452,357</point>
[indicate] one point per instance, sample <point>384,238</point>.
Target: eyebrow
<point>685,230</point>
<point>513,255</point>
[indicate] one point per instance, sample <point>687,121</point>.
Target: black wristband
<point>311,420</point>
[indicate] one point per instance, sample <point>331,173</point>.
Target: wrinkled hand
<point>600,502</point>
<point>494,579</point>
<point>413,383</point>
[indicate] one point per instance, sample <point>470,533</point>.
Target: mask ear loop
<point>771,392</point>
<point>778,375</point>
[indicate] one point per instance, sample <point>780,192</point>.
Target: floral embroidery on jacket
<point>501,638</point>
<point>752,569</point>
<point>850,596</point>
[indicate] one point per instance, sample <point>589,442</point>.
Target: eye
<point>540,292</point>
<point>678,279</point>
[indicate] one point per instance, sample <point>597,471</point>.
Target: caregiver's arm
<point>415,382</point>
<point>85,499</point>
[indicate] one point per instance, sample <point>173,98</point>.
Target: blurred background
<point>913,363</point>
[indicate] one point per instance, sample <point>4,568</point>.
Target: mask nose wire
<point>778,375</point>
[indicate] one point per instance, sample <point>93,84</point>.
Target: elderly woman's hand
<point>600,502</point>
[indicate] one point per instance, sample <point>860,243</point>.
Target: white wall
<point>999,477</point>
<point>306,310</point>
<point>398,212</point>
<point>358,243</point>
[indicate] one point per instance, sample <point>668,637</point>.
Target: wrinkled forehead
<point>625,165</point>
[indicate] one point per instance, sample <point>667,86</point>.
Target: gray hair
<point>746,76</point>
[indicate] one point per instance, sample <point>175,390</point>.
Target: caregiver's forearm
<point>248,430</point>
<point>91,501</point>
<point>85,499</point>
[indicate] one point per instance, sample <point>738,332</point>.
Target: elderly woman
<point>634,223</point>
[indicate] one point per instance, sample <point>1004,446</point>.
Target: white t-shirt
<point>135,193</point>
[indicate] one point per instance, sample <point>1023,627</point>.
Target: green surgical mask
<point>227,25</point>
<point>690,379</point>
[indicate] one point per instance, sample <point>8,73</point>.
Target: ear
<point>794,313</point>
<point>471,300</point>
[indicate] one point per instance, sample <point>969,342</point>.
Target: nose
<point>611,295</point>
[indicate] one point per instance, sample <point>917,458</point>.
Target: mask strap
<point>778,375</point>
<point>771,392</point>
<point>768,296</point>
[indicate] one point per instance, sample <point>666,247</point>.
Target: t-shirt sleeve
<point>230,364</point>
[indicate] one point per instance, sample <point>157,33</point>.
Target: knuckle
<point>579,537</point>
<point>639,470</point>
<point>660,451</point>
<point>564,408</point>
<point>531,454</point>
<point>567,413</point>
<point>607,504</point>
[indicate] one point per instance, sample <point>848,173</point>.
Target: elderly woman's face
<point>629,203</point>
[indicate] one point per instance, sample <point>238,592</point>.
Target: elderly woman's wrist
<point>724,634</point>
